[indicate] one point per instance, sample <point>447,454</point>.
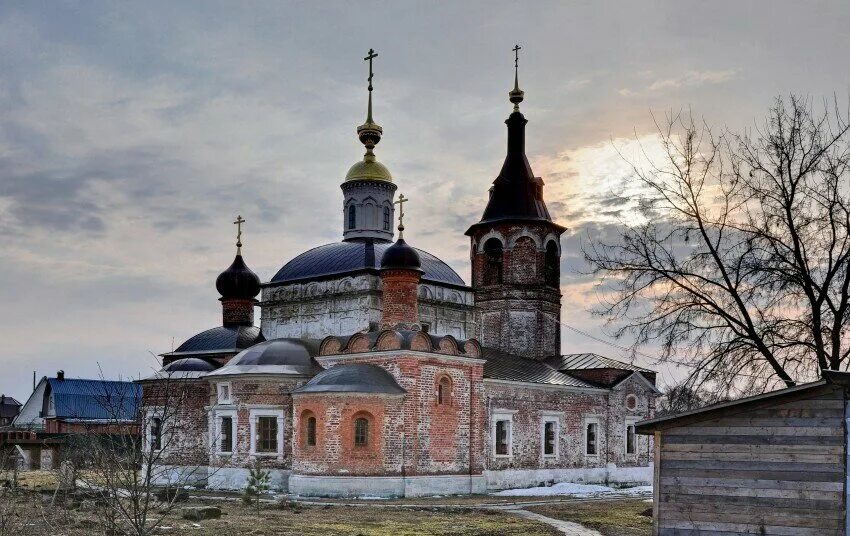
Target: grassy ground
<point>27,515</point>
<point>612,518</point>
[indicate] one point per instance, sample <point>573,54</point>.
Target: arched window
<point>311,432</point>
<point>387,221</point>
<point>493,255</point>
<point>444,391</point>
<point>553,266</point>
<point>361,432</point>
<point>352,217</point>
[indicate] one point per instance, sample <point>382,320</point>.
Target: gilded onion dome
<point>369,134</point>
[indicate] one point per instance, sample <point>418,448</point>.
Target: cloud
<point>693,79</point>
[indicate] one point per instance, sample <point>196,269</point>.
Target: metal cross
<point>401,201</point>
<point>516,50</point>
<point>238,223</point>
<point>372,54</point>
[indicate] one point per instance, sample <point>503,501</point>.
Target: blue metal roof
<point>353,256</point>
<point>95,399</point>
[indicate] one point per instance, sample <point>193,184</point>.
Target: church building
<point>377,371</point>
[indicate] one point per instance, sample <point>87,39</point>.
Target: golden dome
<point>369,169</point>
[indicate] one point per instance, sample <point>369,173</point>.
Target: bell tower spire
<point>368,210</point>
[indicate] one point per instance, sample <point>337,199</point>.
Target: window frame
<point>218,431</point>
<point>388,222</point>
<point>550,418</point>
<point>224,387</point>
<point>444,396</point>
<point>361,418</point>
<point>631,396</point>
<point>156,441</point>
<point>586,422</point>
<point>502,416</point>
<point>255,415</point>
<point>630,422</point>
<point>352,217</point>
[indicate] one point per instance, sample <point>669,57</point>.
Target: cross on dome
<point>401,201</point>
<point>238,223</point>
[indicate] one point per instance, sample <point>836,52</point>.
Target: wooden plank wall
<point>778,470</point>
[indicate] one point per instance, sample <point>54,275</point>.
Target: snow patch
<point>570,488</point>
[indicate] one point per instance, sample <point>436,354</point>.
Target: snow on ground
<point>569,488</point>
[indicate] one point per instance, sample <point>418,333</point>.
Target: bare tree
<point>134,469</point>
<point>741,263</point>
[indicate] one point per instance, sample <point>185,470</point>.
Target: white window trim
<point>218,388</point>
<point>557,421</point>
<point>152,413</point>
<point>254,414</point>
<point>584,423</point>
<point>630,421</point>
<point>502,415</point>
<point>216,431</point>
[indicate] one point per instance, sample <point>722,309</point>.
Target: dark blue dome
<point>221,339</point>
<point>354,378</point>
<point>401,255</point>
<point>353,256</point>
<point>238,281</point>
<point>190,364</point>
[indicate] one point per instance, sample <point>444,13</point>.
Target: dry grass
<point>612,518</point>
<point>35,519</point>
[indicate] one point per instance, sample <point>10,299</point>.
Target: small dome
<point>369,169</point>
<point>355,378</point>
<point>400,255</point>
<point>277,356</point>
<point>238,281</point>
<point>221,339</point>
<point>189,364</point>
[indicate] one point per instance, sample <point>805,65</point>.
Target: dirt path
<point>568,528</point>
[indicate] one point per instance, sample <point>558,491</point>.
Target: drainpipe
<point>471,421</point>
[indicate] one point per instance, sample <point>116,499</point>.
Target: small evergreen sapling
<point>258,483</point>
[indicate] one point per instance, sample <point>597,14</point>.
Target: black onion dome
<point>354,378</point>
<point>238,281</point>
<point>189,364</point>
<point>401,256</point>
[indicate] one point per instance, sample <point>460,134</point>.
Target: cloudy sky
<point>132,135</point>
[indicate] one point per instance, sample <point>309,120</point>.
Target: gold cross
<point>372,54</point>
<point>401,201</point>
<point>238,223</point>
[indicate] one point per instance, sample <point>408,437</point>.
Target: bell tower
<point>516,254</point>
<point>368,189</point>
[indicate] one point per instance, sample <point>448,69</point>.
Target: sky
<point>132,134</point>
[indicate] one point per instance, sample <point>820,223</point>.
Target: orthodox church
<point>376,370</point>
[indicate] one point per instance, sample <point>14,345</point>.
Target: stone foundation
<point>385,486</point>
<point>610,475</point>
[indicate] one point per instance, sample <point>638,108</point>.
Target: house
<point>60,407</point>
<point>769,464</point>
<point>9,408</point>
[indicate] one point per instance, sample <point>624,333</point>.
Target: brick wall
<point>520,315</point>
<point>237,312</point>
<point>526,407</point>
<point>400,299</point>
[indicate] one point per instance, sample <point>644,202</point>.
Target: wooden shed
<point>769,464</point>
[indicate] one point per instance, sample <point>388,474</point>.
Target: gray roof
<point>356,256</point>
<point>590,361</point>
<point>9,407</point>
<point>277,356</point>
<point>504,366</point>
<point>354,378</point>
<point>221,339</point>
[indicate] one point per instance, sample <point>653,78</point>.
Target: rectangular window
<point>550,438</point>
<point>224,393</point>
<point>503,429</point>
<point>631,446</point>
<point>591,444</point>
<point>226,427</point>
<point>156,433</point>
<point>387,218</point>
<point>266,434</point>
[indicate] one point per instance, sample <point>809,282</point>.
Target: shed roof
<point>501,365</point>
<point>591,361</point>
<point>99,400</point>
<point>830,378</point>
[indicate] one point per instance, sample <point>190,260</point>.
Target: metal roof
<point>277,356</point>
<point>503,366</point>
<point>9,407</point>
<point>354,378</point>
<point>221,339</point>
<point>590,361</point>
<point>358,255</point>
<point>95,399</point>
